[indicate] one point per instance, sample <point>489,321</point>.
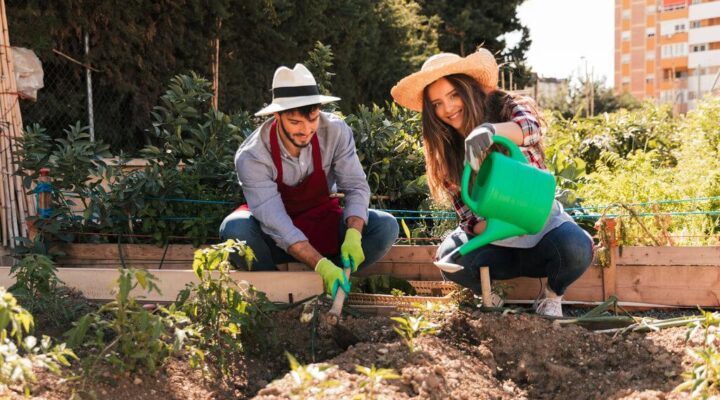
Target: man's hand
<point>351,251</point>
<point>333,277</point>
<point>477,144</point>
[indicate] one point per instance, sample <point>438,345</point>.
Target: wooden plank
<point>673,285</point>
<point>403,253</point>
<point>405,270</point>
<point>587,288</point>
<point>107,251</point>
<point>97,284</point>
<point>686,255</point>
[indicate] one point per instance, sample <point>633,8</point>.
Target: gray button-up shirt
<point>257,175</point>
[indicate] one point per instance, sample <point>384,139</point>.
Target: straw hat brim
<point>481,66</point>
<point>288,103</point>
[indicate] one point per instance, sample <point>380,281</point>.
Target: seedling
<point>375,376</point>
<point>410,327</point>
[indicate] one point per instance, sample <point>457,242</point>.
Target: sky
<point>563,31</point>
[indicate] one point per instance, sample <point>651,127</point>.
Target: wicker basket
<point>434,288</point>
<point>405,303</point>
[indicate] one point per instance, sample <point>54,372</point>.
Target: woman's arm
<point>523,128</point>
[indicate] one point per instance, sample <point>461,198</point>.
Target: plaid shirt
<point>522,115</point>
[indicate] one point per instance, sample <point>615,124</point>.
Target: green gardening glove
<point>333,277</point>
<point>351,252</point>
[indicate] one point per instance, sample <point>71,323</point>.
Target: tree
<point>468,24</point>
<point>137,47</point>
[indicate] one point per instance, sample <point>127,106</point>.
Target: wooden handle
<point>336,309</point>
<point>485,289</point>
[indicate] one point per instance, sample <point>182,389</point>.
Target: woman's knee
<point>578,250</point>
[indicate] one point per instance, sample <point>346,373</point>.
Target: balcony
<point>704,10</point>
<point>704,58</point>
<point>706,34</point>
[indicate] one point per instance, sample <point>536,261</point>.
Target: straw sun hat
<point>480,65</point>
<point>293,88</point>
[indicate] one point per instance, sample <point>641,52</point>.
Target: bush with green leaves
<point>222,311</point>
<point>175,194</point>
<point>19,353</point>
<point>649,161</point>
<point>390,149</point>
<point>126,335</point>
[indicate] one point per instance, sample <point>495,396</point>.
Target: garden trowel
<point>343,336</point>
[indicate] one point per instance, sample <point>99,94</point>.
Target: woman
<point>462,109</point>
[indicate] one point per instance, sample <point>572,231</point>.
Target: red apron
<point>309,204</point>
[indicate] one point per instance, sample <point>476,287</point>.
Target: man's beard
<point>290,138</point>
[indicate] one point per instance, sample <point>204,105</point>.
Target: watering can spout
<point>496,229</point>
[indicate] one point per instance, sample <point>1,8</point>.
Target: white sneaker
<point>550,305</point>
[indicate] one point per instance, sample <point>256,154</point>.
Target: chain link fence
<point>69,96</point>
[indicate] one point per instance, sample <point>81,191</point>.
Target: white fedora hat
<point>293,88</point>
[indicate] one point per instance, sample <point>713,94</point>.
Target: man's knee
<point>239,225</point>
<point>386,225</point>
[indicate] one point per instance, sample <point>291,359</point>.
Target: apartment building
<point>667,50</point>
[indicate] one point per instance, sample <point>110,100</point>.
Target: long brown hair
<point>444,145</point>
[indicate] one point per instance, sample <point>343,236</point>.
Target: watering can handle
<point>515,153</point>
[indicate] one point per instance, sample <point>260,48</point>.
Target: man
<point>287,169</point>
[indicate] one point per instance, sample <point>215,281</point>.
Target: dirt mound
<point>472,356</point>
<point>491,356</point>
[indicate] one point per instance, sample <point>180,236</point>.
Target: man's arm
<point>355,222</point>
<point>265,202</point>
<point>305,253</point>
<point>350,177</point>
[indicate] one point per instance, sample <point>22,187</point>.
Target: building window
<point>649,78</point>
<point>625,80</point>
<point>625,35</point>
<point>696,1</point>
<point>625,59</point>
<point>680,28</point>
<point>626,14</point>
<point>650,9</point>
<point>650,32</point>
<point>674,50</point>
<point>674,7</point>
<point>697,47</point>
<point>694,24</point>
<point>650,55</point>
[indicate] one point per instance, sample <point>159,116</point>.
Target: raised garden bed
<point>670,276</point>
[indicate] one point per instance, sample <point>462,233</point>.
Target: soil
<point>474,355</point>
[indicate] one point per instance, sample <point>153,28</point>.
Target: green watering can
<point>514,197</point>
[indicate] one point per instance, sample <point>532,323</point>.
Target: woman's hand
<point>477,143</point>
<point>479,227</point>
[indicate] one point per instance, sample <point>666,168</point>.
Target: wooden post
<point>216,65</point>
<point>485,290</point>
<point>609,274</point>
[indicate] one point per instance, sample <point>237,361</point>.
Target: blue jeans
<point>562,256</point>
<point>378,236</point>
